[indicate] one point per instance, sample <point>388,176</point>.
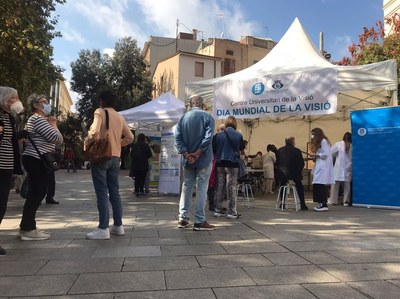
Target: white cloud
<point>109,16</point>
<point>70,34</point>
<point>108,51</point>
<point>340,46</point>
<point>208,16</point>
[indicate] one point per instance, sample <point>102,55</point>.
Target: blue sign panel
<point>376,157</point>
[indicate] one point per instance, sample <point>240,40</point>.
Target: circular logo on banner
<point>257,88</point>
<point>362,132</point>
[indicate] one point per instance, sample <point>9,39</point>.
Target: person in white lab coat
<point>323,168</point>
<point>342,169</point>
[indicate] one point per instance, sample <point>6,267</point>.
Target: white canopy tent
<point>164,111</point>
<point>359,87</point>
<point>295,52</point>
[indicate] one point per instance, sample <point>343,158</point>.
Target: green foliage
<point>375,45</point>
<point>125,72</point>
<point>71,129</point>
<point>26,31</point>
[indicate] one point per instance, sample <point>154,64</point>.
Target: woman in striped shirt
<point>10,105</point>
<point>42,129</point>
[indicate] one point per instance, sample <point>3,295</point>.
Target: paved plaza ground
<point>347,252</point>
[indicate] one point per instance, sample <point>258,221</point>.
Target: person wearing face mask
<point>43,131</point>
<point>323,168</point>
<point>10,106</point>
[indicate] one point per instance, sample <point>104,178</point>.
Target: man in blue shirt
<point>193,139</point>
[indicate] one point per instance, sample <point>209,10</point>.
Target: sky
<point>99,24</point>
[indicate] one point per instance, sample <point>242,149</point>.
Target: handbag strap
<point>34,145</point>
<point>107,119</point>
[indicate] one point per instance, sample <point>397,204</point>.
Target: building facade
<point>390,8</point>
<point>60,98</point>
<point>172,73</point>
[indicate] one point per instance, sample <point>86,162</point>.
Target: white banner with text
<point>304,93</point>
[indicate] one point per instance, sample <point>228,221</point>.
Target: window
<point>199,69</point>
<point>228,66</point>
<point>229,52</point>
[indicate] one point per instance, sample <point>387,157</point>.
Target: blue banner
<point>376,157</point>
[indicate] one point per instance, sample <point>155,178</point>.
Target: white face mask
<point>16,108</point>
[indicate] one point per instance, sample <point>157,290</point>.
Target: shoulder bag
<point>99,150</point>
<point>51,161</point>
<point>242,167</point>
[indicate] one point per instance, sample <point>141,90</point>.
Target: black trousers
<point>320,193</point>
<point>299,188</point>
<point>38,180</point>
<point>51,186</point>
<point>140,178</point>
<point>5,184</point>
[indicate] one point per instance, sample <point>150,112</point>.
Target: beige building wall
<point>390,7</point>
<point>237,55</point>
<point>173,73</point>
<point>159,48</point>
<point>65,100</point>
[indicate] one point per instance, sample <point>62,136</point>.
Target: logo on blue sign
<point>277,84</point>
<point>257,88</point>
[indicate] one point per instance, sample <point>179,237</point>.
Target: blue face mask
<point>47,109</point>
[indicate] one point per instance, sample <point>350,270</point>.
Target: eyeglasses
<point>44,101</point>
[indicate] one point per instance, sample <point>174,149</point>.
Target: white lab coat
<point>268,165</point>
<point>323,166</point>
<point>342,168</point>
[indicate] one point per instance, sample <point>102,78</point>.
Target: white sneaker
<point>33,235</point>
<point>99,234</point>
<point>117,230</point>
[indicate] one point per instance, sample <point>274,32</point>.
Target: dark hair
<point>231,122</point>
<point>107,98</point>
<point>316,141</point>
<point>141,138</point>
<point>347,137</point>
<point>270,147</point>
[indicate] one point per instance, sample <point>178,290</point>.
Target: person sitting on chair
<point>290,164</point>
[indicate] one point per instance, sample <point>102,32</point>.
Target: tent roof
<point>166,109</point>
<point>295,52</point>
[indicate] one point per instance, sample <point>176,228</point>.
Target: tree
<point>375,45</point>
<point>26,31</point>
<point>71,129</point>
<point>125,72</point>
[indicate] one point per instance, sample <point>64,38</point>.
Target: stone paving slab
<point>250,247</point>
<point>41,285</point>
<point>160,263</point>
<point>207,278</point>
<point>321,257</point>
<point>20,267</point>
<point>82,265</point>
<point>286,258</point>
<point>264,292</point>
<point>367,256</point>
<point>360,272</point>
<point>118,282</point>
<point>233,261</point>
<point>175,294</point>
<point>289,275</point>
<point>377,289</point>
<point>59,253</point>
<point>192,250</point>
<point>127,251</point>
<point>334,291</point>
<point>346,252</point>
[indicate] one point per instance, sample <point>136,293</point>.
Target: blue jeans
<point>200,176</point>
<point>106,185</point>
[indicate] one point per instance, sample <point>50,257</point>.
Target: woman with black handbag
<point>43,136</point>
